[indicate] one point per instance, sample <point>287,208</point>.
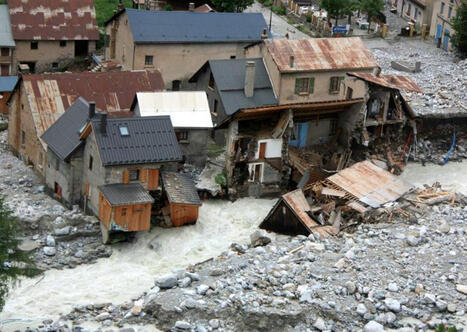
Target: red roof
<point>53,20</point>
<point>400,82</point>
<point>204,9</point>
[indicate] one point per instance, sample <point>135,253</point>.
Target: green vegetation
<point>371,8</point>
<point>3,126</point>
<point>267,3</point>
<point>444,328</point>
<point>221,180</point>
<point>167,7</point>
<point>237,6</point>
<point>13,261</point>
<point>105,9</point>
<point>281,10</point>
<point>459,24</point>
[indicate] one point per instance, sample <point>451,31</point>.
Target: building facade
<point>7,44</point>
<point>441,28</point>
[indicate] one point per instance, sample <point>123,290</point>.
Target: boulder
<point>167,281</point>
<point>49,251</point>
<point>259,238</point>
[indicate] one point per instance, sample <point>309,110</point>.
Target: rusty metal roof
<point>370,184</point>
<point>49,95</point>
<point>320,54</point>
<point>204,9</point>
<point>53,20</point>
<point>390,81</point>
<point>299,205</point>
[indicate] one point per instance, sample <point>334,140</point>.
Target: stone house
<point>7,44</point>
<point>190,116</point>
<point>50,35</point>
<point>37,101</point>
<point>418,12</point>
<point>178,43</point>
<point>441,28</point>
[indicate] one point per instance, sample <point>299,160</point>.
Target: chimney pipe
<point>92,109</point>
<point>250,78</point>
<point>191,6</point>
<point>265,34</point>
<point>291,61</point>
<point>103,125</point>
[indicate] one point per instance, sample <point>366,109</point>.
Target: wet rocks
<point>259,238</point>
<point>167,281</point>
<point>373,326</point>
<point>49,251</point>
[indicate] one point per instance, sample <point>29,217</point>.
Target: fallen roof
<point>53,20</point>
<point>401,82</point>
<point>187,109</point>
<point>192,27</point>
<point>125,194</point>
<point>6,36</point>
<point>369,184</point>
<point>7,83</point>
<point>145,140</point>
<point>63,136</point>
<point>180,189</point>
<point>49,95</point>
<point>320,54</point>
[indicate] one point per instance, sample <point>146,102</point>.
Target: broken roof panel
<point>299,205</point>
<point>320,54</point>
<point>400,82</point>
<point>180,189</point>
<point>370,184</point>
<point>125,194</point>
<point>53,20</point>
<point>6,36</point>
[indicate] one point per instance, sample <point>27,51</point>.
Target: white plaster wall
<point>273,148</point>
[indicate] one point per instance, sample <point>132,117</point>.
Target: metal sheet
<point>390,81</point>
<point>299,205</point>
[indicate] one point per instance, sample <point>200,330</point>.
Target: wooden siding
<point>284,221</point>
<point>133,218</point>
<point>105,211</point>
<point>181,214</point>
<point>153,179</point>
<point>126,176</point>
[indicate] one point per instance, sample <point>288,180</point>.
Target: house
<point>178,43</point>
<point>37,101</point>
<point>190,116</point>
<point>50,35</point>
<point>7,84</point>
<point>122,161</point>
<point>182,199</point>
<point>418,12</point>
<point>441,28</point>
<point>7,44</point>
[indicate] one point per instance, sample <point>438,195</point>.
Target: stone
<point>185,282</point>
<point>413,240</point>
<point>444,227</point>
<point>418,289</point>
<point>202,289</point>
<point>429,298</point>
<point>451,307</point>
<point>103,316</point>
<point>216,272</point>
<point>392,287</point>
<point>29,245</point>
<point>259,238</point>
<point>319,324</point>
<point>179,273</point>
<point>373,326</point>
<point>63,231</point>
<point>49,251</point>
<point>214,323</point>
<point>167,281</point>
<point>393,305</point>
<point>361,309</point>
<point>441,305</point>
<point>182,325</point>
<point>461,289</point>
<point>351,288</point>
<point>79,254</point>
<point>136,310</point>
<point>193,276</point>
<point>50,241</point>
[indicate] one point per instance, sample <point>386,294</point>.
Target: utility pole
<point>270,19</point>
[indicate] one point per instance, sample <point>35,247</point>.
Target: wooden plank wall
<point>133,217</point>
<point>105,210</point>
<point>181,214</point>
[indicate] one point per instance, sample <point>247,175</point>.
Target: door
<point>262,150</point>
<point>5,70</point>
<point>446,40</point>
<point>257,173</point>
<point>438,33</point>
<point>81,47</point>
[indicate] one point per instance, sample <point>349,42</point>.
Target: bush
<point>167,8</point>
<point>267,3</point>
<point>281,10</point>
<point>308,18</point>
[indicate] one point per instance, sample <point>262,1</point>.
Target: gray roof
<point>63,136</point>
<point>229,76</point>
<point>150,140</point>
<point>125,194</point>
<point>6,36</point>
<point>194,27</point>
<point>7,83</point>
<point>180,188</point>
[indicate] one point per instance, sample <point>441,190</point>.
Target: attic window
<point>124,131</point>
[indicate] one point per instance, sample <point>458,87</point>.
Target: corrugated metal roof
<point>299,205</point>
<point>125,194</point>
<point>320,54</point>
<point>370,184</point>
<point>7,83</point>
<point>187,109</point>
<point>180,188</point>
<point>63,137</point>
<point>390,81</point>
<point>53,20</point>
<point>191,27</point>
<point>49,95</point>
<point>6,36</point>
<point>149,140</point>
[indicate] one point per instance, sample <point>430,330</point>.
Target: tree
<point>371,8</point>
<point>459,24</point>
<point>13,261</point>
<point>236,6</point>
<point>333,7</point>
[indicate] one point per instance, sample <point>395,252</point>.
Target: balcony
<point>5,59</point>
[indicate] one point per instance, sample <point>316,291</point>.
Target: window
<point>232,56</point>
<point>409,9</point>
<point>442,8</point>
<point>182,136</point>
<point>335,84</point>
<point>123,212</point>
<point>90,163</point>
<point>54,65</point>
<point>124,131</point>
<point>62,43</point>
<point>333,127</point>
<point>134,174</point>
<point>148,60</point>
<point>34,45</point>
<point>23,137</point>
<point>304,85</point>
<point>5,51</point>
<point>449,12</point>
<point>211,81</point>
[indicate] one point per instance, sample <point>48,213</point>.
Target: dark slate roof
<point>63,136</point>
<point>229,76</point>
<point>193,27</point>
<point>150,140</point>
<point>7,83</point>
<point>125,194</point>
<point>180,188</point>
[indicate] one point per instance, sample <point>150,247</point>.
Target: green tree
<point>13,261</point>
<point>334,7</point>
<point>371,8</point>
<point>459,24</point>
<point>236,6</point>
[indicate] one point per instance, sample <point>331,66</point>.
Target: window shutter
<point>311,85</point>
<point>126,176</point>
<point>330,84</point>
<point>143,176</point>
<point>297,86</point>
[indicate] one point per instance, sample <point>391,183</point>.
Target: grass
<point>105,9</point>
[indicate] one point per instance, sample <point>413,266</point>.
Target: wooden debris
<point>332,192</point>
<point>296,249</point>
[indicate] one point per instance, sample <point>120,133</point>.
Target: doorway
<point>81,47</point>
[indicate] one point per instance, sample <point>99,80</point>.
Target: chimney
<point>191,6</point>
<point>265,34</point>
<point>291,61</point>
<point>92,110</point>
<point>103,125</point>
<point>249,78</point>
